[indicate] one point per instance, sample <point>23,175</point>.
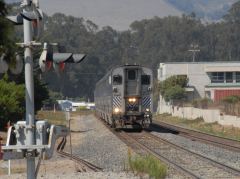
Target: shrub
<point>147,165</point>
<point>173,88</point>
<point>201,103</point>
<point>231,99</point>
<point>12,102</point>
<point>175,93</point>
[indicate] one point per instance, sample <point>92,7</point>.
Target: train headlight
<point>132,100</point>
<point>116,110</point>
<point>147,109</point>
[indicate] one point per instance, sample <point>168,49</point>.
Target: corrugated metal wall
<point>220,94</point>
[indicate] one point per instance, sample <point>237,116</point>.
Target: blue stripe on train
<point>146,101</point>
<point>117,100</point>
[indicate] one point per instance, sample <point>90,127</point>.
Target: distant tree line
<point>148,42</point>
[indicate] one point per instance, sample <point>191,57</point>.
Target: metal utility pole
<point>29,92</point>
<point>194,49</point>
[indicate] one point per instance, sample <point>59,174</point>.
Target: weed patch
<point>142,165</point>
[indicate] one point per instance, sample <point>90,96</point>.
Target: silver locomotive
<point>124,96</point>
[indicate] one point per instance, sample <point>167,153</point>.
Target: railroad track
<point>225,143</point>
<point>84,166</point>
<point>188,163</point>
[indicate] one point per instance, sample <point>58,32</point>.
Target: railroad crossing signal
<point>33,140</point>
<point>35,16</point>
<point>16,69</point>
<point>48,59</point>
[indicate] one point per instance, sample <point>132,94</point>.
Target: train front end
<point>136,106</point>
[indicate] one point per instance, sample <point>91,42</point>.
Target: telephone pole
<point>194,49</point>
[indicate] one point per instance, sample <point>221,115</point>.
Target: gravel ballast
<point>224,156</point>
<point>100,146</point>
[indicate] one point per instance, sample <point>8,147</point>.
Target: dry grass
<point>200,125</point>
<point>82,112</point>
<point>57,118</point>
<point>14,170</point>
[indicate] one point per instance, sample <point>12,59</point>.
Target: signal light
<point>57,59</point>
<point>36,16</point>
<point>17,20</point>
<point>17,69</point>
<point>3,64</point>
<point>43,59</point>
<point>59,67</point>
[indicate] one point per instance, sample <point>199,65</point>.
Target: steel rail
<point>225,143</point>
<point>157,155</point>
<point>85,166</point>
<point>214,162</point>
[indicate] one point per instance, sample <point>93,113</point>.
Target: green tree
<point>12,103</point>
<point>175,93</point>
<point>52,100</point>
<point>173,88</point>
<point>40,94</point>
<point>7,46</point>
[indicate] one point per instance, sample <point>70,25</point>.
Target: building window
<point>217,77</point>
<point>229,77</point>
<point>237,77</point>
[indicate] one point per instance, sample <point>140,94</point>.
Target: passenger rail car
<point>124,96</point>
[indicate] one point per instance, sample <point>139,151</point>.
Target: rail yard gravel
<point>99,145</point>
<point>102,148</point>
<point>93,142</point>
<point>227,157</point>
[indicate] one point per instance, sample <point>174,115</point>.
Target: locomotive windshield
<point>117,80</point>
<point>145,80</point>
<point>131,74</point>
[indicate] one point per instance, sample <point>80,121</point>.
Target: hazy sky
<point>117,13</point>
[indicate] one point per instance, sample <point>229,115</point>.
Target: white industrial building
<point>73,106</point>
<point>214,80</point>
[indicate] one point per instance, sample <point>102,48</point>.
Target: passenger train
<point>123,97</point>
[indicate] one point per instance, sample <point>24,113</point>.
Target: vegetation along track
<point>188,162</point>
<point>225,143</point>
<point>84,165</point>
